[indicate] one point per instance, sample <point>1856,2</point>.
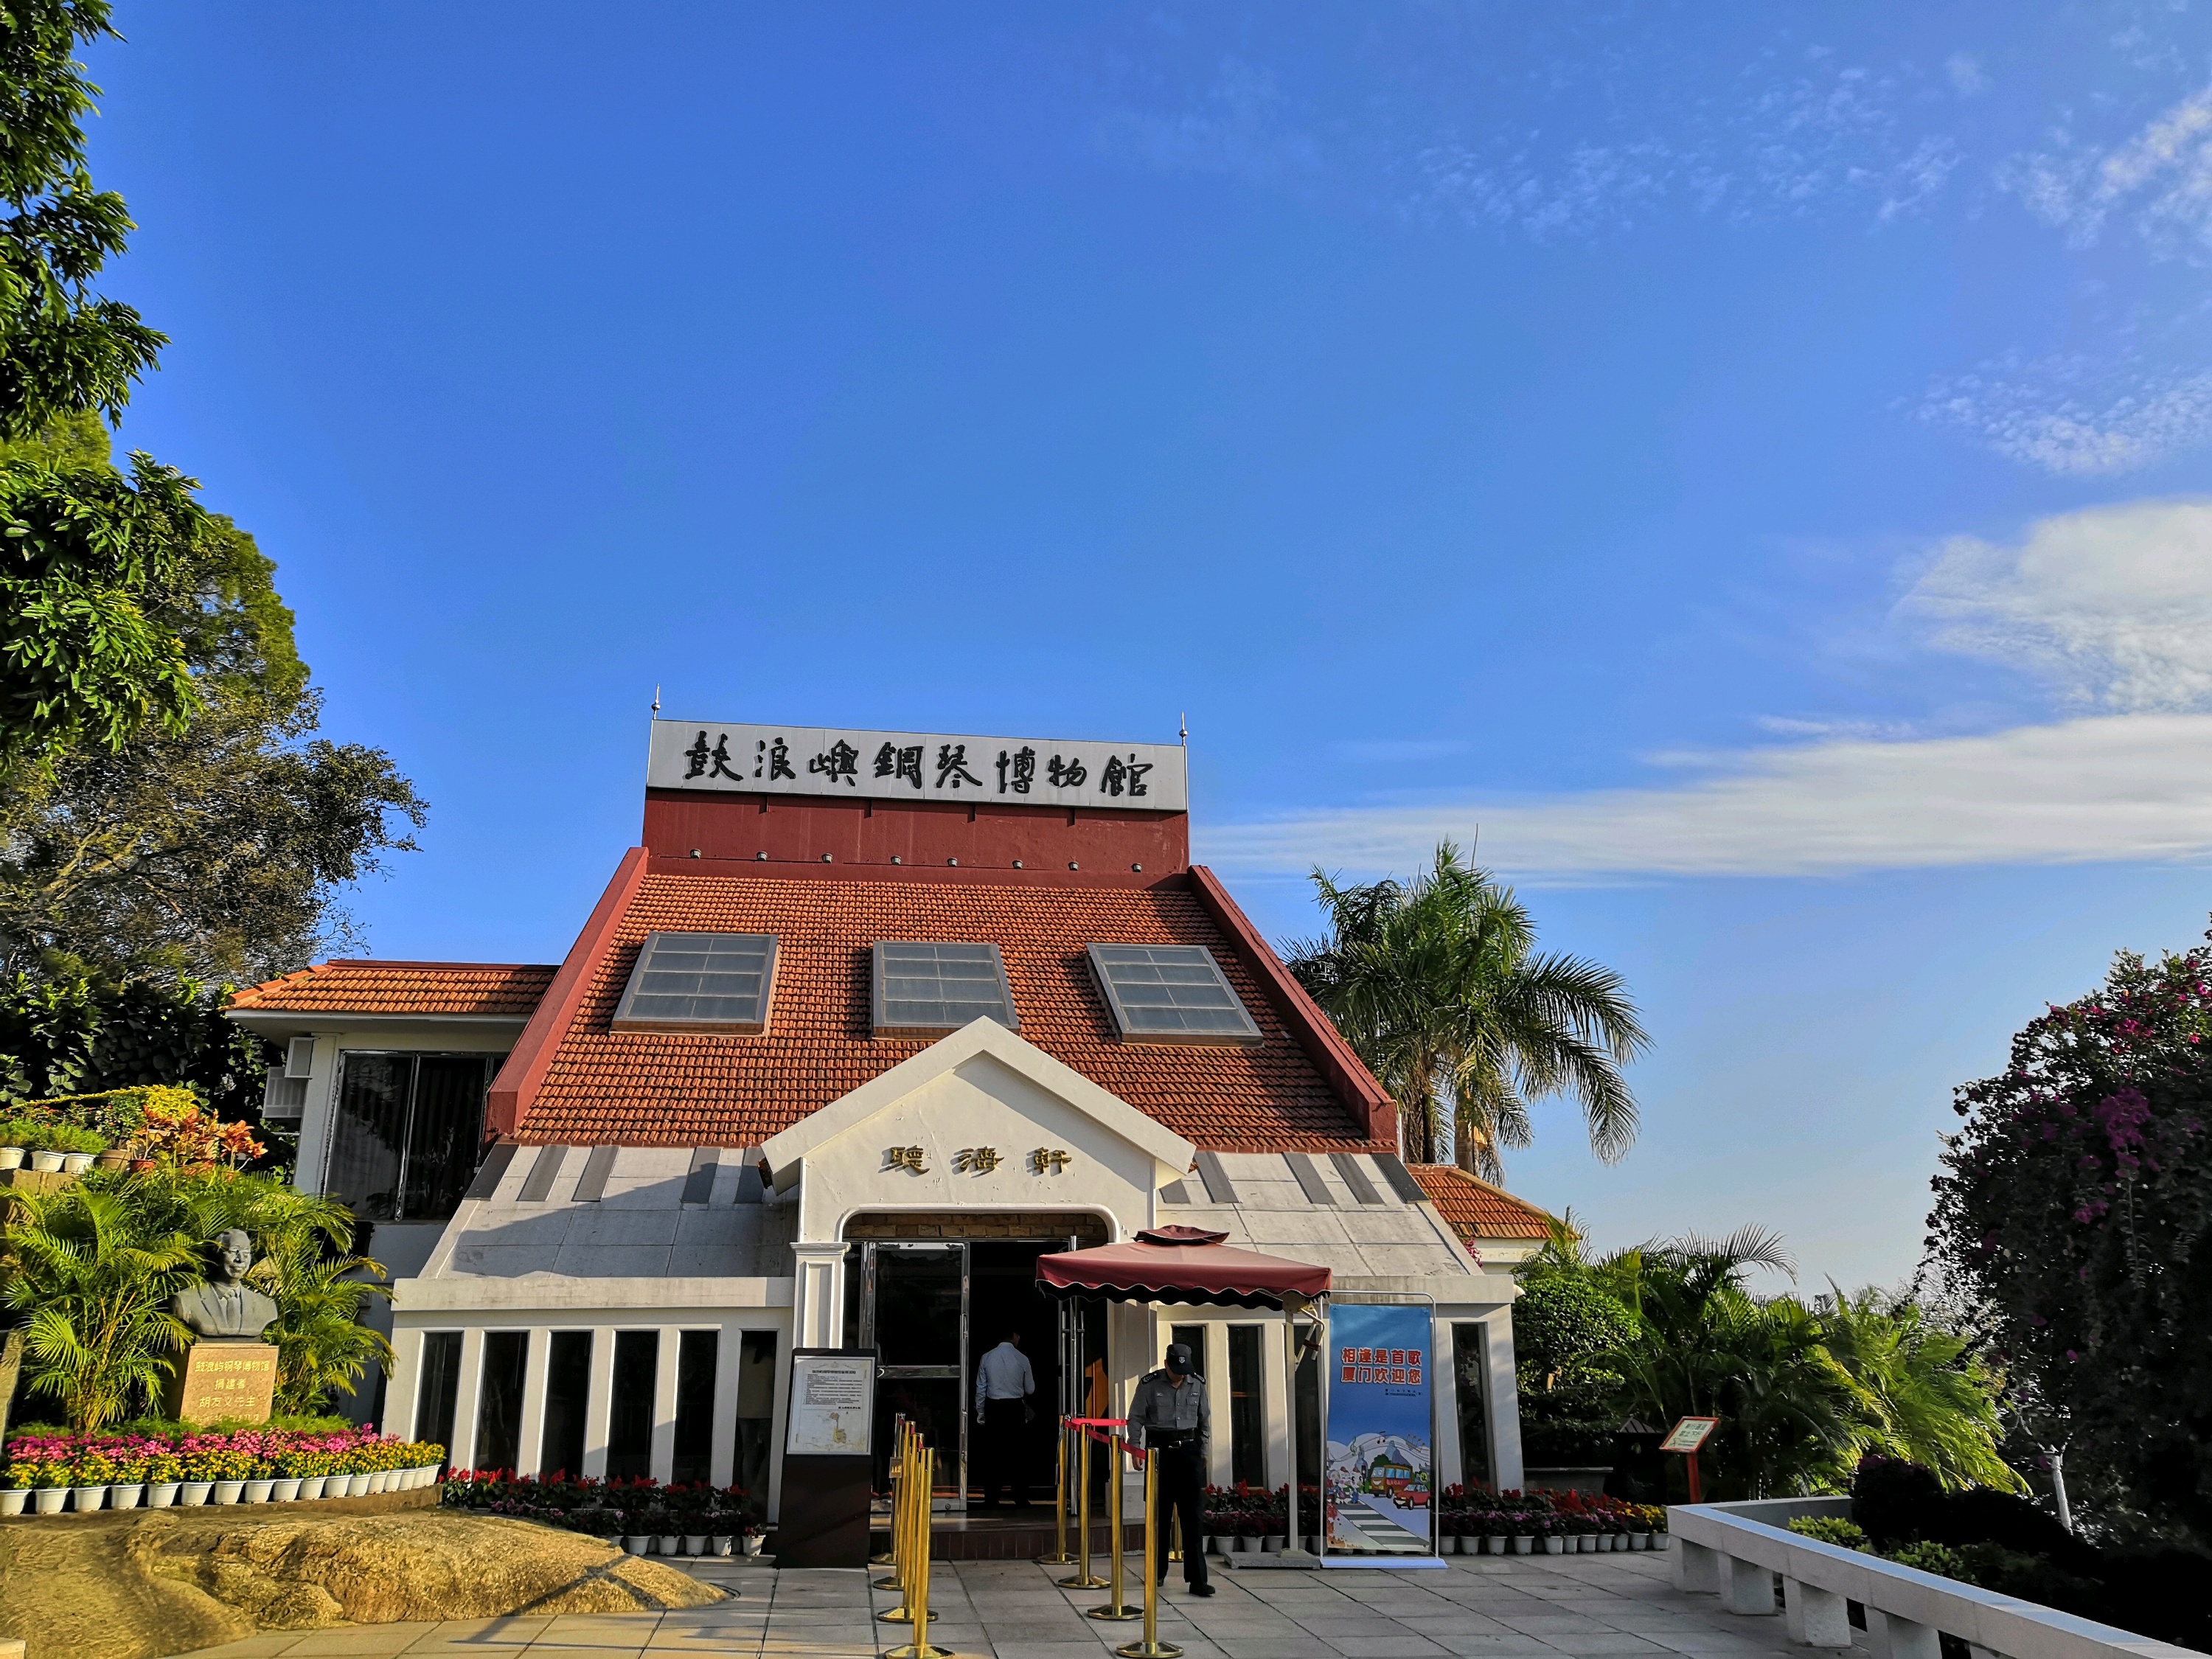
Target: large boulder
<point>172,1581</point>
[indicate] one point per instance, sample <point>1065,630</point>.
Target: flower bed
<point>124,1471</point>
<point>1245,1516</point>
<point>644,1516</point>
<point>1553,1522</point>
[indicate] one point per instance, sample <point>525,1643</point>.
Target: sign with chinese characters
<point>832,1405</point>
<point>1689,1434</point>
<point>805,760</point>
<point>221,1381</point>
<point>976,1160</point>
<point>1380,1432</point>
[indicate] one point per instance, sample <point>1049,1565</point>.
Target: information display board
<point>1689,1434</point>
<point>1382,1437</point>
<point>833,1399</point>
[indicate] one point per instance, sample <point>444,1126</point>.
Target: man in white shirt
<point>1004,1383</point>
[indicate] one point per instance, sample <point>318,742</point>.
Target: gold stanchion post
<point>1119,1607</point>
<point>896,1560</point>
<point>914,1551</point>
<point>1059,1557</point>
<point>1082,1578</point>
<point>921,1648</point>
<point>1151,1647</point>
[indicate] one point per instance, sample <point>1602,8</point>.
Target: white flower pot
<point>85,1499</point>
<point>13,1498</point>
<point>1522,1544</point>
<point>695,1543</point>
<point>77,1163</point>
<point>1497,1544</point>
<point>722,1542</point>
<point>753,1542</point>
<point>125,1497</point>
<point>47,1163</point>
<point>257,1491</point>
<point>11,1157</point>
<point>48,1500</point>
<point>357,1486</point>
<point>311,1486</point>
<point>1272,1544</point>
<point>1555,1545</point>
<point>1222,1544</point>
<point>230,1491</point>
<point>161,1493</point>
<point>1658,1541</point>
<point>286,1490</point>
<point>635,1543</point>
<point>195,1491</point>
<point>671,1544</point>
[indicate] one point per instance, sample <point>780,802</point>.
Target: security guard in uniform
<point>1169,1418</point>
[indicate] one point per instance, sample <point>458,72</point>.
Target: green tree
<point>93,1272</point>
<point>74,1036</point>
<point>1566,1331</point>
<point>1437,986</point>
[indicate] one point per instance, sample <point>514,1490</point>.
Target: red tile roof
<point>484,989</point>
<point>673,1089</point>
<point>1476,1209</point>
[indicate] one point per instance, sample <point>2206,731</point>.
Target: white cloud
<point>1965,71</point>
<point>1239,126</point>
<point>2074,418</point>
<point>2113,602</point>
<point>2164,173</point>
<point>2134,787</point>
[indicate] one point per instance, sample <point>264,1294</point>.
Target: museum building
<point>868,1023</point>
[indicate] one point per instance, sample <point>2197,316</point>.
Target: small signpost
<point>1686,1437</point>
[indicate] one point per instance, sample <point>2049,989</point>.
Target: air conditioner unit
<point>284,1097</point>
<point>299,1057</point>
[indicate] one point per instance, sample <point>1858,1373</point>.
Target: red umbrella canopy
<point>1181,1264</point>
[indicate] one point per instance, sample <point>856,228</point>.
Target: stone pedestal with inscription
<point>220,1380</point>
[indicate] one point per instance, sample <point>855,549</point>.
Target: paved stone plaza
<point>1584,1607</point>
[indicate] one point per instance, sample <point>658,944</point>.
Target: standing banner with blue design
<point>1381,1431</point>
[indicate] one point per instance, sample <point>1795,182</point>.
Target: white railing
<point>1735,1550</point>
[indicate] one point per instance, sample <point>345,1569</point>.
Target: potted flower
<point>22,1474</point>
<point>755,1535</point>
<point>13,1149</point>
<point>165,1474</point>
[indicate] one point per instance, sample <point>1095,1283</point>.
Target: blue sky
<point>1746,463</point>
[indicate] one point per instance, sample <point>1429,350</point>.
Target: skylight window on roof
<point>924,985</point>
<point>1170,993</point>
<point>717,983</point>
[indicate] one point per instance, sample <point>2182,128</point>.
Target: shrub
<point>1940,1558</point>
<point>1895,1500</point>
<point>1831,1530</point>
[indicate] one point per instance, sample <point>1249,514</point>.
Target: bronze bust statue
<point>226,1305</point>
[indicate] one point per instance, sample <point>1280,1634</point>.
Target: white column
<point>818,1296</point>
<point>1502,1399</point>
<point>463,1450</point>
<point>1815,1618</point>
<point>1274,1395</point>
<point>1447,1455</point>
<point>662,1464</point>
<point>1892,1637</point>
<point>784,1345</point>
<point>1746,1588</point>
<point>729,1344</point>
<point>1214,1366</point>
<point>1697,1568</point>
<point>535,1375</point>
<point>598,1412</point>
<point>406,1372</point>
<point>316,1117</point>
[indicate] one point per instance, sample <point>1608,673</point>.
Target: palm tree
<point>96,1274</point>
<point>1929,1399</point>
<point>323,1349</point>
<point>1436,985</point>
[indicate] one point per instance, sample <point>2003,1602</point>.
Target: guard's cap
<point>1179,1358</point>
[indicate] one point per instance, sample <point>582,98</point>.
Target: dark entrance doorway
<point>931,1309</point>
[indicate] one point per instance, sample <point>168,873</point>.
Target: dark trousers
<point>1001,1459</point>
<point>1181,1483</point>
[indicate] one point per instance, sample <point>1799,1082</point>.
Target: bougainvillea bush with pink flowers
<point>2078,1200</point>
<point>57,1459</point>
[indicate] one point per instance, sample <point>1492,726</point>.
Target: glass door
<point>915,1312</point>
